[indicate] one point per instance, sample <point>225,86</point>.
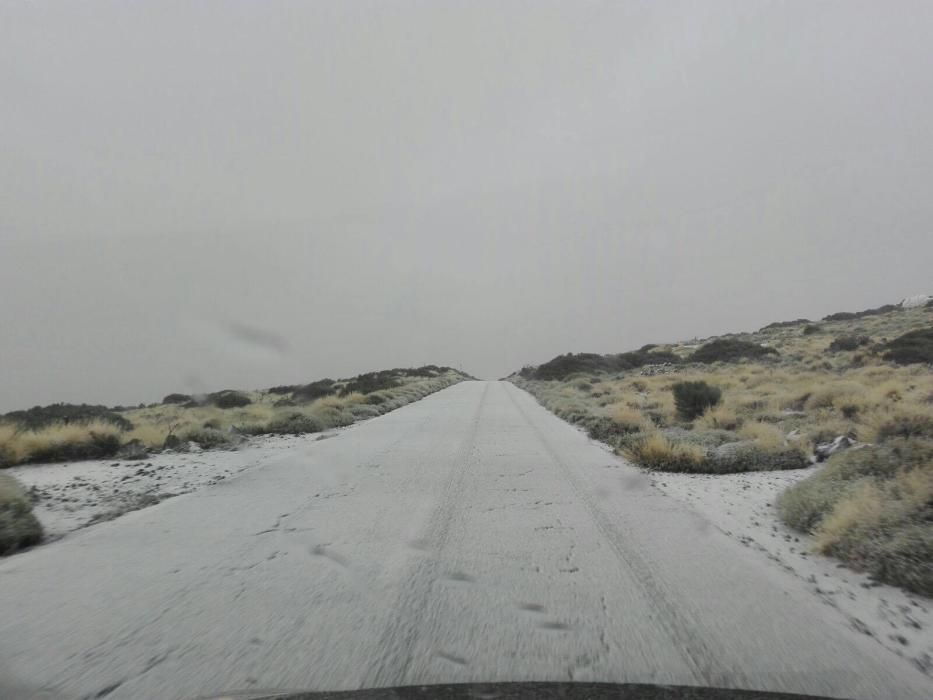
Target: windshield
<point>378,343</point>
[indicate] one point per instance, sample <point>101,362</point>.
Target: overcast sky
<point>196,196</point>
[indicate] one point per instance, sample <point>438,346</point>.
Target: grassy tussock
<point>18,526</point>
<point>630,419</point>
<point>657,452</point>
<point>768,437</point>
<point>96,438</point>
<point>872,507</point>
<point>719,418</point>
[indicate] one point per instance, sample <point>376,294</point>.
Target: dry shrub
<point>902,422</point>
<point>149,435</point>
<point>629,419</point>
<point>719,418</point>
<point>65,442</point>
<point>823,395</point>
<point>768,437</point>
<point>657,452</point>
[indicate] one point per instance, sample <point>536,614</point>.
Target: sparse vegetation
<point>563,366</point>
<point>848,343</point>
<point>218,421</point>
<point>868,505</point>
<point>18,526</point>
<point>694,398</point>
<point>730,350</point>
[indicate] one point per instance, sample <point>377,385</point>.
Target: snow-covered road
<point>469,536</point>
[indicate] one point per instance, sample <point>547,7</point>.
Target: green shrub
<point>362,411</point>
<point>811,329</point>
<point>910,348</point>
<point>847,343</point>
<point>693,398</point>
<point>314,390</point>
<point>852,315</point>
<point>564,366</point>
<point>229,398</point>
<point>709,438</point>
<point>370,382</point>
<point>39,417</point>
<point>177,398</point>
<point>785,324</point>
<point>294,424</point>
<point>730,350</point>
<point>18,526</point>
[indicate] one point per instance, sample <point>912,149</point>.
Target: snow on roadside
<point>741,506</point>
<point>72,495</point>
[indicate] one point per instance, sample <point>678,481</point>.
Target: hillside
<point>854,389</point>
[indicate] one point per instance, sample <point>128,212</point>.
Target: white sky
<point>239,194</point>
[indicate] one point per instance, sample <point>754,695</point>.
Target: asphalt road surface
<point>471,536</point>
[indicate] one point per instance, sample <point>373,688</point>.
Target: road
<point>469,536</point>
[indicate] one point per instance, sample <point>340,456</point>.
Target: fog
<point>195,196</point>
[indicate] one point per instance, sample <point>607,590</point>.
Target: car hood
<point>521,691</point>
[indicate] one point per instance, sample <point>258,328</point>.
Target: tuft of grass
<point>152,436</point>
<point>18,525</point>
<point>768,437</point>
<point>719,418</point>
<point>630,419</point>
<point>657,452</point>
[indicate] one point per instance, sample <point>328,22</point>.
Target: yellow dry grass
<point>769,437</point>
<point>630,419</point>
<point>656,449</point>
<point>20,445</point>
<point>721,417</point>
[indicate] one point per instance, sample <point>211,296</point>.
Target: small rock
<point>825,450</point>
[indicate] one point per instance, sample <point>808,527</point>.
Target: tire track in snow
<point>686,638</point>
<point>396,645</point>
